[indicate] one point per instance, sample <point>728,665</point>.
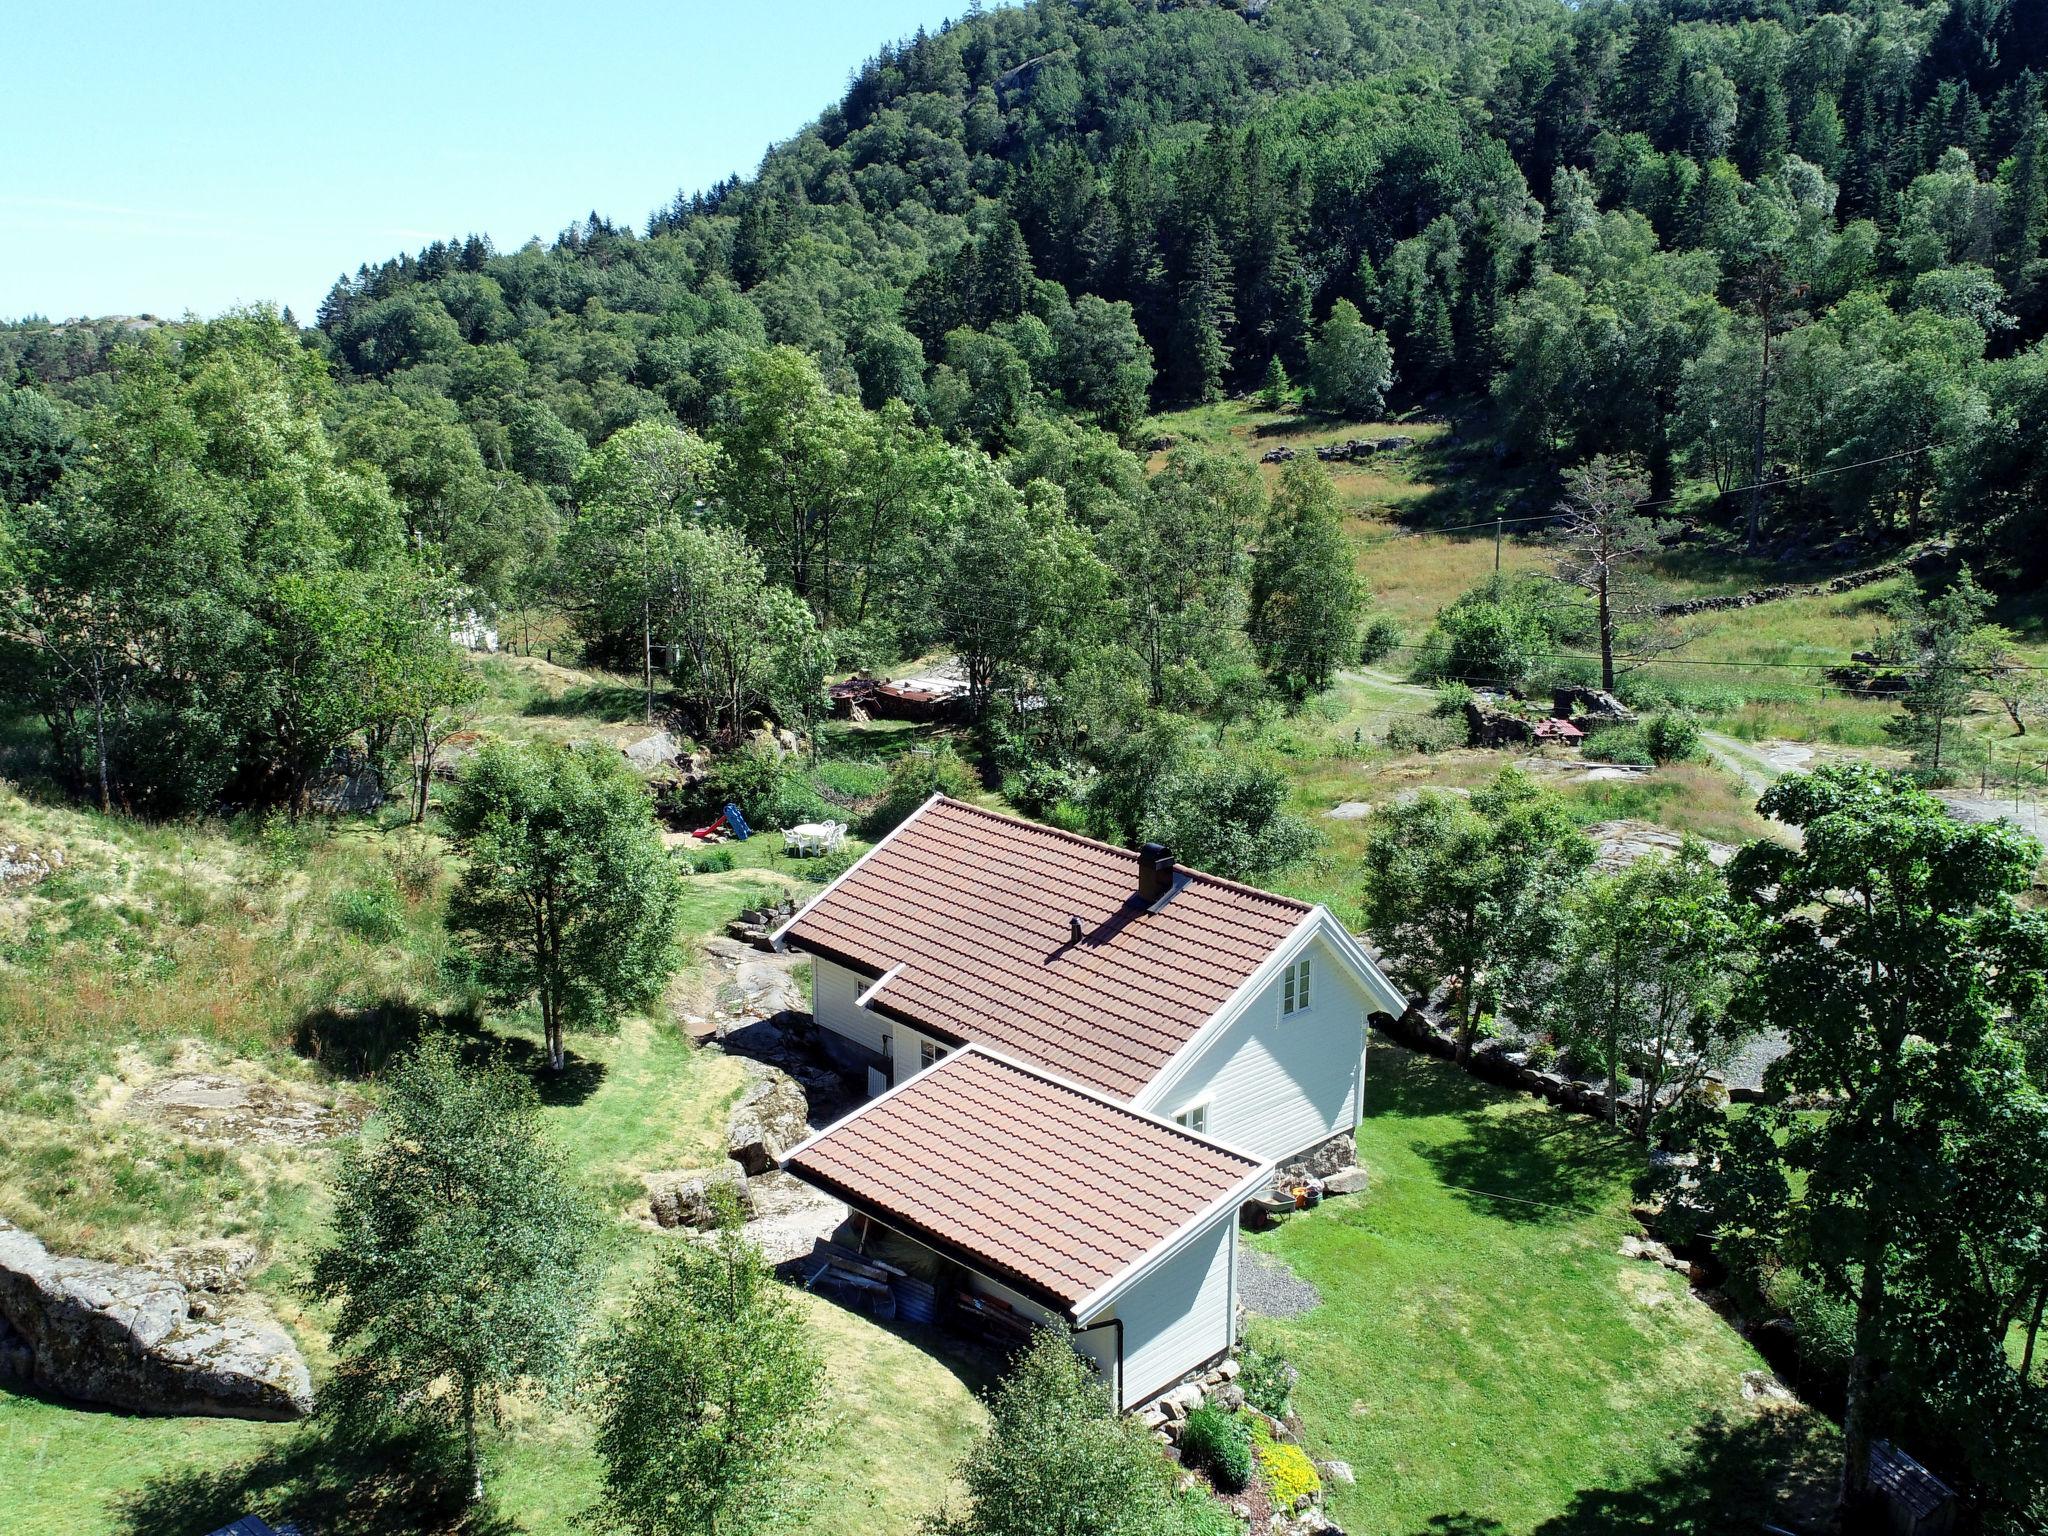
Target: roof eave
<point>776,938</point>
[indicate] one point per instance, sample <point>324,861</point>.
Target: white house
<point>1085,1059</point>
<point>1053,1202</point>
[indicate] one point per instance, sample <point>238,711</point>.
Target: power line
<point>1733,490</point>
<point>1807,666</point>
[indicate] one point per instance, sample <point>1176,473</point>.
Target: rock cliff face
<point>141,1339</point>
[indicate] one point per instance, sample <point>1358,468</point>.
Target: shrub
<point>770,791</point>
<point>1825,1325</point>
<point>1425,733</point>
<point>913,779</point>
<point>1671,736</point>
<point>1618,744</point>
<point>1035,787</point>
<point>371,914</point>
<point>1214,1442</point>
<point>416,865</point>
<point>712,861</point>
<point>1288,1472</point>
<point>1378,640</point>
<point>1268,1380</point>
<point>1451,699</point>
<point>1497,633</point>
<point>827,866</point>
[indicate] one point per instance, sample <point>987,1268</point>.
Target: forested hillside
<point>900,368</point>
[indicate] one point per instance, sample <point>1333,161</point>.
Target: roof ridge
<point>1127,853</point>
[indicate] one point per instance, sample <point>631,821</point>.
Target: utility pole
<point>1496,546</point>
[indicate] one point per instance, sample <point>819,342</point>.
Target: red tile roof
<point>974,906</point>
<point>983,1158</point>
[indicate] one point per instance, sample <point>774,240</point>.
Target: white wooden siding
<point>904,1041</point>
<point>1277,1084</point>
<point>1179,1314</point>
<point>833,989</point>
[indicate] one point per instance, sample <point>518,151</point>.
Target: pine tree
<point>1201,349</point>
<point>1003,278</point>
<point>1276,387</point>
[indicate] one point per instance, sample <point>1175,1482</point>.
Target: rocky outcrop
<point>697,1197</point>
<point>145,1338</point>
<point>772,1116</point>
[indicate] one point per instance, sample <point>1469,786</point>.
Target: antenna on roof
<point>1074,930</point>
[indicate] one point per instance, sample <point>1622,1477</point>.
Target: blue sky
<point>195,154</point>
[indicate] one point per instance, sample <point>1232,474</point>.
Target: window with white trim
<point>927,1053</point>
<point>1195,1118</point>
<point>1294,987</point>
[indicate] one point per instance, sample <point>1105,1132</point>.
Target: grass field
<point>1485,1359</point>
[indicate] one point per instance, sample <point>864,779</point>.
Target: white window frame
<point>1297,987</point>
<point>929,1054</point>
<point>1193,1117</point>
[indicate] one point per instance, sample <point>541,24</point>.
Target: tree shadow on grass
<point>1540,1165</point>
<point>327,1480</point>
<point>621,702</point>
<point>358,1043</point>
<point>1535,1164</point>
<point>1738,1476</point>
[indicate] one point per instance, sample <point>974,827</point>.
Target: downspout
<point>1118,1324</point>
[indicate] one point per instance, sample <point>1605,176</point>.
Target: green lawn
<point>1491,1364</point>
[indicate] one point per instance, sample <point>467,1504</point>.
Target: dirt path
<point>1757,767</point>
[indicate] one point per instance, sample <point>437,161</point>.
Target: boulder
<point>1590,704</point>
<point>772,1116</point>
<point>651,750</point>
<point>1347,1181</point>
<point>693,1197</point>
<point>1182,1400</point>
<point>129,1336</point>
<point>761,989</point>
<point>1340,1472</point>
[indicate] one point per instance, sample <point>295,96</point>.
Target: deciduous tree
<point>458,1252</point>
<point>1646,964</point>
<point>568,898</point>
<point>707,1388</point>
<point>1469,896</point>
<point>1891,949</point>
<point>1058,1458</point>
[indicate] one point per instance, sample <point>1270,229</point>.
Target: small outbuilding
<point>1911,1500</point>
<point>1039,1201</point>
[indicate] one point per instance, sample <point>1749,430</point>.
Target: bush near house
<point>1286,1469</point>
<point>1219,1444</point>
<point>1268,1380</point>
